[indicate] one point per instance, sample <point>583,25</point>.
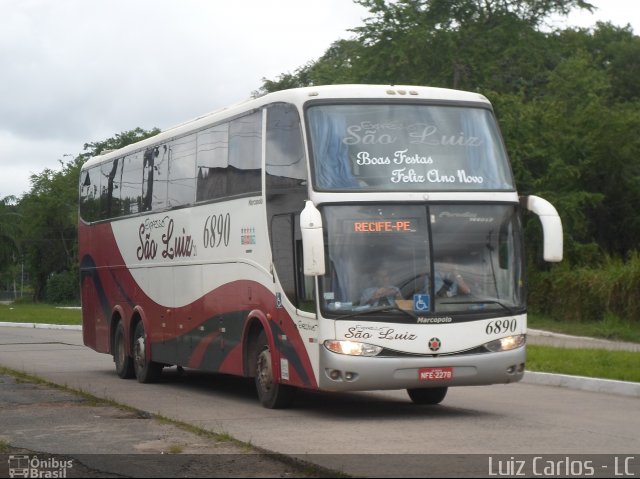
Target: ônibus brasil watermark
<point>33,466</point>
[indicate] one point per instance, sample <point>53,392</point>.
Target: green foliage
<point>49,212</point>
<point>41,227</point>
<point>612,327</point>
<point>567,102</point>
<point>9,232</point>
<point>114,143</point>
<point>24,312</point>
<point>587,294</point>
<point>599,363</point>
<point>62,288</point>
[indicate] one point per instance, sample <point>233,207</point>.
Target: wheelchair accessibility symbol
<point>421,302</point>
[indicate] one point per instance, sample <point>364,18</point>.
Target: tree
<point>567,100</point>
<point>10,247</point>
<point>49,210</point>
<point>50,213</point>
<point>9,237</point>
<point>116,142</point>
<point>491,45</point>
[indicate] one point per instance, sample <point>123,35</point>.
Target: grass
<point>4,446</point>
<point>598,363</point>
<point>38,313</point>
<point>618,365</point>
<point>176,449</point>
<point>611,327</point>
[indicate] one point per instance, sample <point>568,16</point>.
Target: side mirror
<point>551,226</point>
<point>312,240</point>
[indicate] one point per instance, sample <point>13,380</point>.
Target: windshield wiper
<point>378,309</point>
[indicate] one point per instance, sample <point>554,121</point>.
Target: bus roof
<point>297,96</point>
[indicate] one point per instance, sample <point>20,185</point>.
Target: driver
<point>383,292</point>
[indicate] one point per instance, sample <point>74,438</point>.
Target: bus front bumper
<point>339,372</point>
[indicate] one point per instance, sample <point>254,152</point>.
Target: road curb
<point>608,386</point>
<point>547,338</point>
<point>43,326</point>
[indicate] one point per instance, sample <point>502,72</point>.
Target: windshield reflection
<point>406,147</point>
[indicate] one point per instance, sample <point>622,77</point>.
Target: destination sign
<point>383,226</point>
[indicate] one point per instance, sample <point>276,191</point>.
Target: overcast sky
<point>78,71</point>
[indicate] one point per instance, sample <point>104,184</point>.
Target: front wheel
<point>427,395</point>
<point>272,394</point>
<point>146,371</point>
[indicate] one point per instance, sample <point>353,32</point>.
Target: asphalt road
<point>368,434</point>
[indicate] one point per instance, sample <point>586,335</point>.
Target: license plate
<point>435,374</point>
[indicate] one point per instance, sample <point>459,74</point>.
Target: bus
<point>249,242</point>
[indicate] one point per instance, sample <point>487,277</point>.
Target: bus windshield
<point>406,147</point>
<point>382,255</point>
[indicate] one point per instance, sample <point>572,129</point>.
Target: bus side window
<point>286,248</point>
<point>212,161</point>
<point>131,184</point>
<point>286,185</point>
<point>245,155</point>
<point>305,284</point>
<point>148,177</point>
<point>110,205</point>
<point>182,169</point>
<point>90,194</point>
<point>282,249</point>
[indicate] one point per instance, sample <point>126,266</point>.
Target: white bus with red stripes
<point>341,238</point>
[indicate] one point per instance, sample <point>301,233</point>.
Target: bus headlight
<point>352,348</point>
<point>506,344</point>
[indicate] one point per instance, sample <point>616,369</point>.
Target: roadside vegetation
<point>39,313</point>
<point>611,327</point>
<point>596,363</point>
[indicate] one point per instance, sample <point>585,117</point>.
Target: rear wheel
<point>146,371</point>
<point>272,394</point>
<point>428,395</point>
<point>124,362</point>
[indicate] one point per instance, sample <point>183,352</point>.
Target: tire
<point>145,371</point>
<point>271,394</point>
<point>427,395</point>
<point>124,362</point>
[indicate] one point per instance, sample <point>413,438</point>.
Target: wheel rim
<point>265,377</point>
<point>139,352</point>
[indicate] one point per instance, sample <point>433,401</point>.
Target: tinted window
<point>182,169</point>
<point>110,189</point>
<point>407,148</point>
<point>285,159</point>
<point>90,194</point>
<point>212,162</point>
<point>156,177</point>
<point>131,184</point>
<point>245,158</point>
<point>229,158</point>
